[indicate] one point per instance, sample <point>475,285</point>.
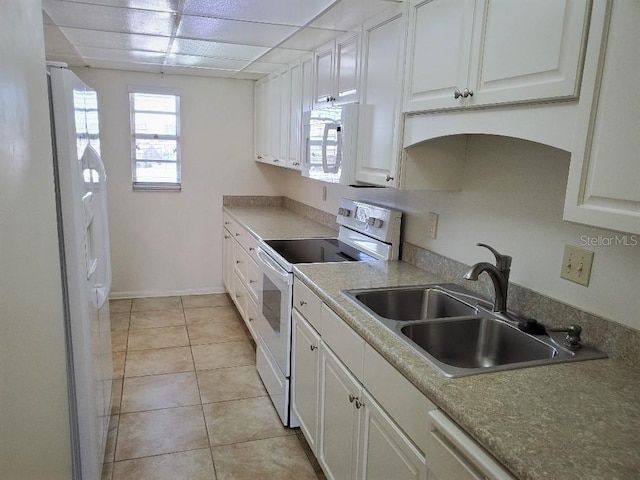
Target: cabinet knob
<point>467,93</point>
<point>237,234</point>
<point>302,303</point>
<point>352,398</point>
<point>227,223</point>
<point>251,249</point>
<point>275,160</point>
<point>328,99</point>
<point>359,403</point>
<point>389,178</point>
<point>259,157</point>
<point>237,262</point>
<point>227,236</point>
<point>251,281</point>
<point>312,347</point>
<point>250,319</point>
<point>456,94</point>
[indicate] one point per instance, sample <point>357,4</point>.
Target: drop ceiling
<point>245,39</point>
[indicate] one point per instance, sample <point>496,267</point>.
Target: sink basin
<point>458,333</point>
<point>406,304</point>
<point>477,342</point>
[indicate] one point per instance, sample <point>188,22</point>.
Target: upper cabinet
<point>383,41</point>
<point>336,68</point>
<point>487,52</point>
<point>604,177</point>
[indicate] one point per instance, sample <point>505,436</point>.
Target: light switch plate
<point>576,265</point>
<point>432,225</point>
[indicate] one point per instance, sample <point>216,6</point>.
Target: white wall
<point>170,243</point>
<point>512,198</point>
<point>34,417</point>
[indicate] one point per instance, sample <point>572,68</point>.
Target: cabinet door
<point>285,112</point>
<point>527,51</point>
<point>346,69</point>
<point>380,94</point>
<point>307,83</point>
<point>322,74</point>
<point>438,53</point>
<point>305,378</point>
<point>339,418</point>
<point>227,260</point>
<point>274,91</point>
<point>258,123</point>
<point>295,115</point>
<point>386,451</point>
<point>604,176</point>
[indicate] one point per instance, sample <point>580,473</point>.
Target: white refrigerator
<point>85,261</point>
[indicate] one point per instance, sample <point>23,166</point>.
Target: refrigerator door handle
<point>94,177</point>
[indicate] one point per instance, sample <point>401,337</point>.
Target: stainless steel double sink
<point>458,333</point>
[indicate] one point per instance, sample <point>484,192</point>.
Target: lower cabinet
<point>386,450</point>
<point>370,423</point>
<point>305,371</point>
<point>340,417</point>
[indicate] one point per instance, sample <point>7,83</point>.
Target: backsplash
<point>621,343</point>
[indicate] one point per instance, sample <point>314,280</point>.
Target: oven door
<point>274,318</point>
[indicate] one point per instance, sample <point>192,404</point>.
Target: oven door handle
<point>271,264</point>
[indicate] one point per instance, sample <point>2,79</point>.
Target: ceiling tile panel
<point>197,71</point>
<point>156,5</point>
<point>206,62</point>
<point>308,39</point>
<point>132,56</point>
<point>282,56</point>
<point>98,17</point>
<point>57,43</point>
<point>119,41</point>
<point>347,14</point>
<point>262,67</point>
<point>232,31</point>
<point>217,49</point>
<point>118,65</point>
<point>283,12</point>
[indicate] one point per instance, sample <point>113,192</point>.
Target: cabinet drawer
<point>345,343</point>
<point>241,258</point>
<point>252,314</point>
<point>308,304</point>
<point>400,398</point>
<point>453,454</point>
<point>248,242</point>
<point>230,224</point>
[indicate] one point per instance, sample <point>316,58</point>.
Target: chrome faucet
<point>499,275</point>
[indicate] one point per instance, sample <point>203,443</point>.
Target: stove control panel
<point>375,221</point>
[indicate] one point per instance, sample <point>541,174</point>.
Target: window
<point>155,140</point>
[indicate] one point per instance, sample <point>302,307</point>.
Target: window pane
<point>153,172</point>
<point>155,123</point>
<point>154,103</point>
<point>156,149</point>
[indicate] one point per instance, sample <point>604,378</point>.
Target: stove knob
<point>374,222</point>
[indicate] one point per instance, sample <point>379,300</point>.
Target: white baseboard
<point>165,293</point>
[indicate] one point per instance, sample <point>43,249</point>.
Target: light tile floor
<point>188,401</point>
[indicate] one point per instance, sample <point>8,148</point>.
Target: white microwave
<point>330,142</point>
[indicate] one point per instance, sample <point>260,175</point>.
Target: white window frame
<point>155,186</point>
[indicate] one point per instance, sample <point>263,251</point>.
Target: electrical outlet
<point>576,265</point>
<point>432,225</point>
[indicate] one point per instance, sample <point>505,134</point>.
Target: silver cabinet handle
<point>275,160</point>
<point>227,223</point>
<point>389,178</point>
<point>227,236</point>
<point>302,303</point>
<point>250,319</point>
<point>467,93</point>
<point>251,281</point>
<point>359,403</point>
<point>312,347</point>
<point>238,262</point>
<point>237,234</point>
<point>251,249</point>
<point>259,157</point>
<point>352,398</point>
<point>457,94</point>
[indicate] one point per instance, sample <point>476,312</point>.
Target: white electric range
<point>367,233</point>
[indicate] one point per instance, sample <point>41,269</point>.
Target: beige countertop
<point>278,223</point>
<point>565,421</point>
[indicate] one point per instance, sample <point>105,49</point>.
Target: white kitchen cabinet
<point>386,452</point>
<point>336,71</point>
<point>240,272</point>
<point>489,52</point>
<point>259,123</point>
<point>380,129</point>
<point>306,65</point>
<point>604,176</point>
<point>305,378</point>
<point>340,417</point>
<point>295,116</point>
<point>278,116</point>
